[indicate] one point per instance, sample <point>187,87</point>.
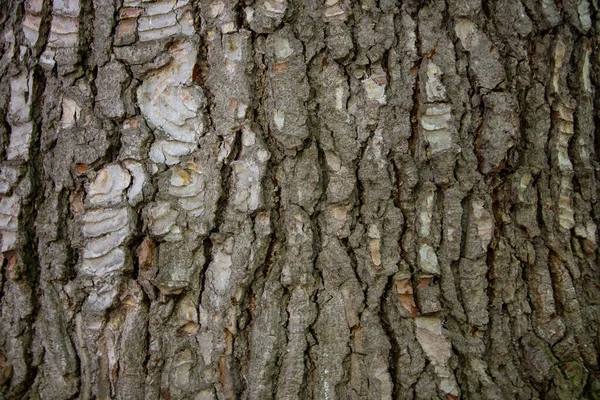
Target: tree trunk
<point>299,199</point>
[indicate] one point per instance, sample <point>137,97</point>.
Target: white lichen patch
<point>169,152</point>
<point>112,261</point>
<point>71,113</point>
<point>9,213</point>
<point>435,90</point>
<point>64,30</point>
<point>438,350</point>
<point>31,24</point>
<point>565,123</point>
<point>375,88</point>
<point>171,102</point>
<point>19,117</point>
<point>282,48</point>
<point>483,221</point>
<point>566,216</point>
<point>425,204</point>
<point>583,11</point>
<point>428,261</point>
<point>161,220</point>
<point>334,11</point>
<point>108,186</point>
<point>138,174</point>
<point>106,225</point>
<point>437,127</point>
<point>164,19</point>
<point>275,8</point>
<point>560,50</point>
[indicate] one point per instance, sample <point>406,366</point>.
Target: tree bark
<point>299,199</point>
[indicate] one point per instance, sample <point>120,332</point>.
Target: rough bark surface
<point>299,199</point>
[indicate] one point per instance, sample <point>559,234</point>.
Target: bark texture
<point>299,199</point>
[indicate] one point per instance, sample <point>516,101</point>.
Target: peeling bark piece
<point>9,176</point>
<point>170,101</point>
<point>100,222</point>
<point>566,216</point>
<point>220,271</point>
<point>484,57</point>
<point>425,204</point>
<point>404,292</point>
<point>164,19</point>
<point>157,21</point>
<point>587,231</point>
<point>473,286</point>
<point>435,91</point>
<point>480,230</point>
<point>428,261</point>
<point>185,182</point>
<point>560,51</point>
<point>31,28</point>
<point>437,127</point>
<point>289,89</point>
<point>64,32</point>
<point>146,254</point>
<point>579,14</point>
<point>248,173</point>
<point>20,138</point>
<point>169,151</point>
<point>104,294</point>
<point>191,187</point>
<point>161,220</point>
<point>19,117</point>
<point>548,325</point>
<point>112,261</point>
<point>108,186</point>
<point>375,88</point>
<point>9,212</point>
<point>101,245</point>
<point>551,12</point>
<point>334,11</point>
<point>111,80</point>
<point>71,112</point>
<point>438,349</point>
<point>138,174</point>
<point>20,99</point>
<point>66,7</point>
<point>585,69</point>
<point>499,131</point>
<point>562,132</point>
<point>266,15</point>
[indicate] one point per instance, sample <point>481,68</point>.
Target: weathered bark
<point>290,199</point>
